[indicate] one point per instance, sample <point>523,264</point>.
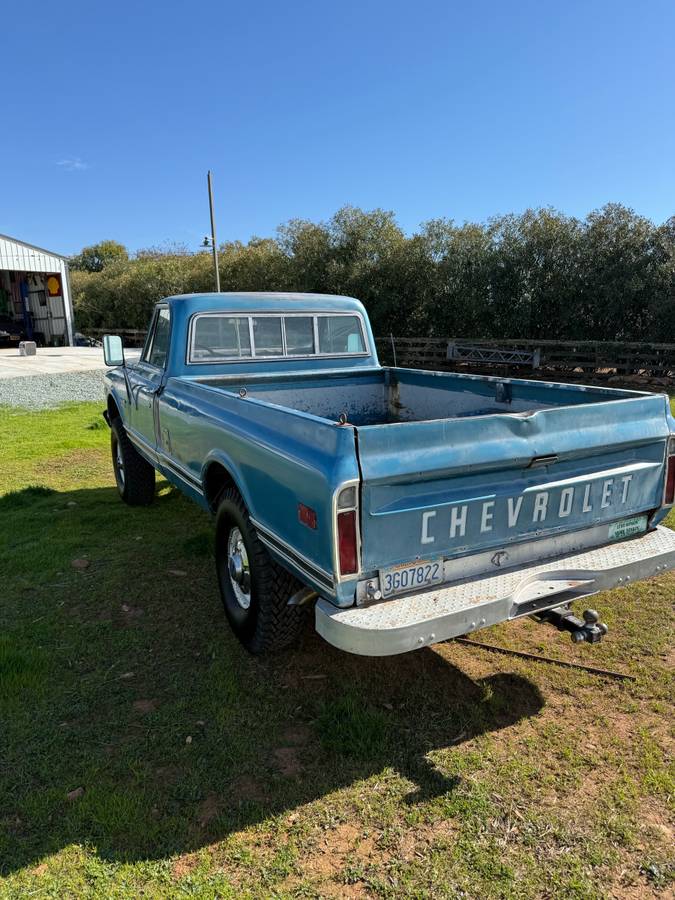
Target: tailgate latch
<point>538,461</point>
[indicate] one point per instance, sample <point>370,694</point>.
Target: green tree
<point>98,256</point>
<point>539,274</point>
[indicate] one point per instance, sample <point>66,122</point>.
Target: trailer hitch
<point>589,629</point>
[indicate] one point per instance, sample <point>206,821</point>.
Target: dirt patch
<point>168,774</point>
<point>184,865</point>
<point>80,459</point>
<point>287,757</point>
<point>208,810</point>
<point>333,852</point>
<point>338,891</point>
<point>248,789</point>
<point>145,706</point>
<point>287,761</point>
<point>343,846</point>
<point>418,840</point>
<point>296,735</point>
<point>655,823</point>
<point>669,659</point>
<point>619,891</point>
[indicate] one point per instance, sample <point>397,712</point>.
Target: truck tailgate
<point>454,487</point>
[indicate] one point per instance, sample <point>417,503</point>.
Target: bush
<point>540,274</point>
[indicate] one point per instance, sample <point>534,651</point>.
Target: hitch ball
<point>593,630</point>
<point>589,629</point>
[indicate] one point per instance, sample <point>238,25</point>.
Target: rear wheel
<point>254,589</point>
<point>134,476</point>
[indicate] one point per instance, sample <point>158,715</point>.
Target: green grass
<point>444,773</point>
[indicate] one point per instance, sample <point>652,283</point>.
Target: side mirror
<point>113,351</point>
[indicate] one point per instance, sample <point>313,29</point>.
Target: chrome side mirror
<point>113,351</point>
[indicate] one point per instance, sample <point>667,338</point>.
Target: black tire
<point>269,623</point>
<point>135,478</point>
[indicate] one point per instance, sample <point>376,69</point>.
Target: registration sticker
<point>411,576</point>
<point>627,527</point>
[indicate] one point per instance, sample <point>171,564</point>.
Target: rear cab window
<point>267,338</point>
<point>300,336</point>
<point>222,337</point>
<point>218,337</point>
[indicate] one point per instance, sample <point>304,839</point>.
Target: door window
<point>158,345</point>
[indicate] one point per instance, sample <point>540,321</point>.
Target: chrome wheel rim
<point>238,568</point>
<point>119,464</point>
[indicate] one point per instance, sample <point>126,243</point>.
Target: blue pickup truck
<point>403,507</point>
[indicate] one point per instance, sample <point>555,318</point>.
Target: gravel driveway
<point>49,391</point>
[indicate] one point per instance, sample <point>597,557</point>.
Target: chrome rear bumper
<point>418,620</point>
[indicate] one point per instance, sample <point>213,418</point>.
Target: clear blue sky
<point>112,113</point>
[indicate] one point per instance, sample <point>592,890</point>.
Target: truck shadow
<point>133,721</point>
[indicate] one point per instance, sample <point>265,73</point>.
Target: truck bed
<point>508,461</point>
<point>386,396</point>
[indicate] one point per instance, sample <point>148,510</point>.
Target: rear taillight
<point>347,542</point>
<point>669,493</point>
<point>347,531</point>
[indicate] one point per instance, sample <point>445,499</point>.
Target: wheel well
<point>113,409</point>
<point>216,480</point>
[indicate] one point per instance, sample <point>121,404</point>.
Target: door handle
<point>148,395</point>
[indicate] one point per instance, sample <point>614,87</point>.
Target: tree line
<point>539,274</point>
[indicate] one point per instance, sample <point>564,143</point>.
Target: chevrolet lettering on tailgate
<point>543,508</point>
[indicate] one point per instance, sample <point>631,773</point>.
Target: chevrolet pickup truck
<point>405,507</point>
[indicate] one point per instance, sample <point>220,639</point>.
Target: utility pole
<point>213,233</point>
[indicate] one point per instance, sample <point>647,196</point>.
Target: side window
<point>156,353</point>
<point>145,355</point>
<point>340,334</point>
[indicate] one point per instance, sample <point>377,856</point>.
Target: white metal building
<point>35,292</point>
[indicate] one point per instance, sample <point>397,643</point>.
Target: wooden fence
<point>132,337</point>
<point>603,358</point>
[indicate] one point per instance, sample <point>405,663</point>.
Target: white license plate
<point>627,527</point>
<point>411,576</point>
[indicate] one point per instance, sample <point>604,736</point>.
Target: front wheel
<point>134,476</point>
<point>254,589</point>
